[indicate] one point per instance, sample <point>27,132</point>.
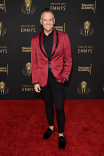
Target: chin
<point>48,29</point>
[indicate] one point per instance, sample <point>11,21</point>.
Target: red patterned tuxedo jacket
<point>61,58</point>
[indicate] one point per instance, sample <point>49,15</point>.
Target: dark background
<point>73,17</point>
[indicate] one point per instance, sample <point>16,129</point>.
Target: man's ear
<point>40,21</point>
<point>54,20</point>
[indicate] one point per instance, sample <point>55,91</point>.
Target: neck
<point>47,32</point>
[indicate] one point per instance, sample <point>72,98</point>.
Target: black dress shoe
<point>62,142</point>
<point>48,133</point>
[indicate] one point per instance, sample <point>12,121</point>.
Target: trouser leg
<point>58,96</point>
<point>54,91</point>
<point>47,95</point>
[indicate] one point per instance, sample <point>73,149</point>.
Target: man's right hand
<point>37,88</point>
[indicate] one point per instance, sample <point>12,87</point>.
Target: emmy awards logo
<point>87,25</point>
<point>86,30</point>
<point>27,69</point>
<point>85,49</point>
<point>28,8</point>
<point>2,30</point>
<point>58,6</point>
<point>83,88</point>
<point>28,28</point>
<point>28,5</point>
<point>3,6</point>
<point>3,88</point>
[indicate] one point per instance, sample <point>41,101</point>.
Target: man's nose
<point>48,21</point>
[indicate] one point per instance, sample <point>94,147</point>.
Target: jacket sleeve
<point>34,62</point>
<point>67,58</point>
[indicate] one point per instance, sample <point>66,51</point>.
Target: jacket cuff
<point>36,83</point>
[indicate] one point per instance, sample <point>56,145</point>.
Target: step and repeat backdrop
<point>81,19</point>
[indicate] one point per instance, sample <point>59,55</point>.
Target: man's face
<point>47,21</point>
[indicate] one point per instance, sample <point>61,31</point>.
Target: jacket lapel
<point>54,40</point>
<point>42,44</point>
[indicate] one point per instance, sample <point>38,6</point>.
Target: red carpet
<point>23,123</point>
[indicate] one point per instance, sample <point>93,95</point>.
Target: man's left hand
<point>64,81</point>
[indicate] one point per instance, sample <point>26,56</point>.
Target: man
<point>51,63</point>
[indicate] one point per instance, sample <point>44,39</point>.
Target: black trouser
<point>54,91</point>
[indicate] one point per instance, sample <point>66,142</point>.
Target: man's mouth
<point>48,26</point>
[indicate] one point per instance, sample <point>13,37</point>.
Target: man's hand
<point>64,81</point>
<point>37,88</point>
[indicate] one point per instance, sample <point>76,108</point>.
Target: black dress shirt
<point>48,43</point>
